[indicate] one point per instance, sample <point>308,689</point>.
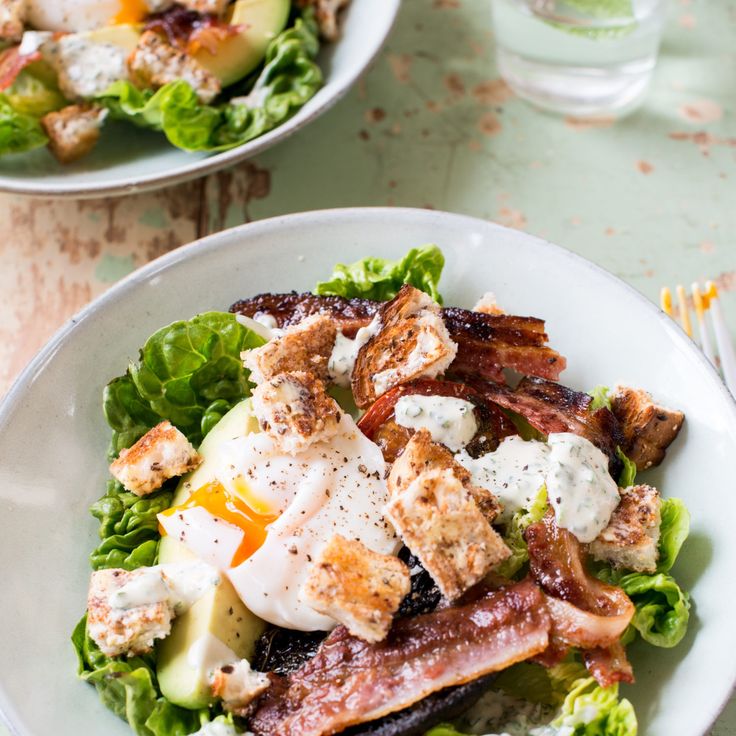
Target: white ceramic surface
<point>129,159</point>
<point>53,436</point>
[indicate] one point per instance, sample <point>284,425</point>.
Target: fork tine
<point>701,305</point>
<point>684,312</point>
<point>723,338</point>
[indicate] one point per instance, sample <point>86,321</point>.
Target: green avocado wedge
<point>259,21</point>
<point>219,621</point>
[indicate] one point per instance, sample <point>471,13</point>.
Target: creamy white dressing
<point>85,68</point>
<point>498,714</point>
<point>342,359</point>
<point>514,472</point>
<point>449,420</point>
<point>218,728</point>
<point>334,486</point>
<point>181,584</point>
<point>32,41</point>
<point>207,654</point>
<point>579,487</point>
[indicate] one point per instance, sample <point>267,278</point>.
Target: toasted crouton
<point>73,131</point>
<point>12,19</point>
<point>357,587</point>
<point>237,685</point>
<point>154,63</point>
<point>305,346</point>
<point>295,410</point>
<point>648,428</point>
<point>162,453</point>
<point>631,539</point>
<point>118,631</point>
<point>439,521</point>
<point>422,454</point>
<point>487,304</point>
<point>413,342</point>
<point>326,12</point>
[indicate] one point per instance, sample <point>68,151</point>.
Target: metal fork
<point>705,301</point>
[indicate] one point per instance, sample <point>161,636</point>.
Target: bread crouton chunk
<point>237,685</point>
<point>128,610</point>
<point>440,523</point>
<point>305,347</point>
<point>154,63</point>
<point>73,131</point>
<point>12,19</point>
<point>295,411</point>
<point>413,342</point>
<point>357,587</point>
<point>162,453</point>
<point>649,429</point>
<point>422,454</point>
<point>118,631</point>
<point>631,539</point>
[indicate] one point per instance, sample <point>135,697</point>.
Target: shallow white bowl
<point>129,159</point>
<point>53,436</point>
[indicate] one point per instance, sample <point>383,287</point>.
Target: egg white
<point>72,15</point>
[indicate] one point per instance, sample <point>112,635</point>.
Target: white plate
<point>53,436</point>
<point>129,159</point>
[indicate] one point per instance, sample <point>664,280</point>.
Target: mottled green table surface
<point>652,198</point>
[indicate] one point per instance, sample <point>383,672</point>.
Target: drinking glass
<point>585,58</point>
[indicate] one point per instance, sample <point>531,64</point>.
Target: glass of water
<point>585,58</point>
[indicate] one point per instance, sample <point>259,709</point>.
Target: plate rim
<point>202,167</point>
<point>24,381</point>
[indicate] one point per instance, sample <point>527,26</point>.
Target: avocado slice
<point>125,35</point>
<point>219,620</point>
<point>236,56</point>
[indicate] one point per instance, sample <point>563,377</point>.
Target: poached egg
<point>262,517</point>
<point>83,15</point>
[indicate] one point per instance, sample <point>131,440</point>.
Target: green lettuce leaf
<point>128,687</point>
<point>591,710</point>
<point>514,535</point>
<point>19,132</point>
<point>584,708</point>
<point>380,279</point>
<point>628,474</point>
<point>289,78</point>
<point>189,372</point>
<point>601,399</point>
<point>674,531</point>
<point>662,608</point>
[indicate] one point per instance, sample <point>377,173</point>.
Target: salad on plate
<point>209,74</point>
<point>358,511</point>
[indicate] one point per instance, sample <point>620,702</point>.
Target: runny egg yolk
<point>131,11</point>
<point>223,505</point>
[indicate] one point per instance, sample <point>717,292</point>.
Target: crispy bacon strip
<point>551,407</point>
<point>190,30</point>
<point>585,612</point>
<point>487,343</point>
<point>350,682</point>
<point>609,665</point>
<point>12,63</point>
